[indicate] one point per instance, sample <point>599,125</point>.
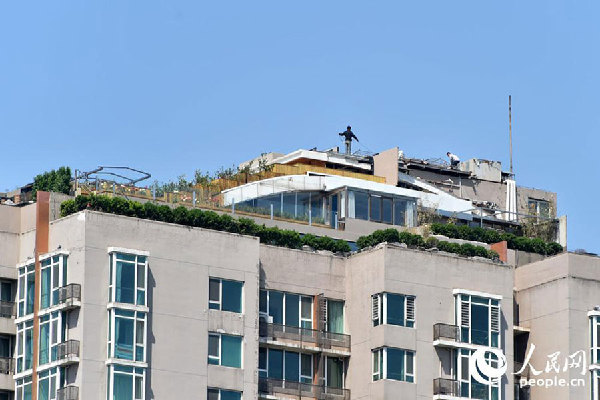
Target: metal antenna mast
<point>510,131</point>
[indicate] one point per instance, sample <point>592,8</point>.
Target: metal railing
<point>271,386</point>
<point>446,331</point>
<point>70,348</point>
<point>7,365</point>
<point>68,393</point>
<point>69,292</point>
<point>322,339</point>
<point>449,387</point>
<point>8,309</point>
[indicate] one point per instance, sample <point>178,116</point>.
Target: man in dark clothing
<point>348,135</point>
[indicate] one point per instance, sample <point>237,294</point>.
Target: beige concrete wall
<point>386,164</point>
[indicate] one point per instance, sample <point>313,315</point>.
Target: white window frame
<point>594,339</point>
<point>220,390</point>
<point>219,302</point>
<point>139,316</point>
<point>382,316</point>
<point>300,297</point>
<point>23,272</point>
<point>54,338</point>
<point>464,358</point>
<point>300,376</point>
<point>20,384</point>
<point>381,352</point>
<point>134,374</point>
<point>219,358</point>
<point>112,285</point>
<point>343,373</point>
<point>20,349</point>
<point>59,261</point>
<point>53,378</point>
<point>492,308</point>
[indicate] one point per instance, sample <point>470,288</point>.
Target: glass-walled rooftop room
<point>331,207</point>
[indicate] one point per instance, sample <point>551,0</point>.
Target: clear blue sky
<point>174,86</point>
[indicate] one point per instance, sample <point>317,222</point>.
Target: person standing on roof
<point>454,160</point>
<point>348,135</point>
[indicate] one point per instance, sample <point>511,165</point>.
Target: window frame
<point>219,303</point>
<point>53,375</point>
<point>54,337</point>
<point>21,384</point>
<point>219,390</point>
<point>382,310</point>
<point>492,303</point>
<point>382,367</point>
<point>219,357</point>
<point>24,272</point>
<point>301,320</point>
<point>21,346</point>
<point>135,373</point>
<point>462,358</point>
<point>58,274</point>
<point>114,254</point>
<point>111,343</point>
<point>595,339</point>
<point>301,378</point>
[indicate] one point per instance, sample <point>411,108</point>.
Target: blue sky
<point>174,86</point>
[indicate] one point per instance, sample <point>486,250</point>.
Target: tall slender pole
<point>510,131</point>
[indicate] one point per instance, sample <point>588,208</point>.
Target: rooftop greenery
<point>53,181</point>
<point>392,235</point>
<point>492,236</point>
<point>202,219</point>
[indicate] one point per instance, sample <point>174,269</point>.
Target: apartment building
<point>103,306</point>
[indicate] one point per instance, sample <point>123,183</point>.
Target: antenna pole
<point>510,131</point>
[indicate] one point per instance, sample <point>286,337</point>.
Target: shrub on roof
<point>492,236</point>
<point>202,219</point>
<point>416,241</point>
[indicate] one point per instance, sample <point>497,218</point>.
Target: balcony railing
<point>446,332</point>
<point>69,293</point>
<point>322,339</point>
<point>7,365</point>
<point>270,386</point>
<point>67,349</point>
<point>448,387</point>
<point>68,393</point>
<point>8,309</point>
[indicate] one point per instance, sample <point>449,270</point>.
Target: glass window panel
<point>361,205</point>
<point>399,212</point>
<point>124,338</point>
<point>395,309</point>
<point>230,395</point>
<point>292,366</point>
<point>292,312</point>
<point>479,324</point>
<point>262,358</point>
<point>231,347</point>
<point>122,387</point>
<point>30,292</point>
<point>306,365</point>
<point>289,205</point>
<point>263,301</point>
<point>375,208</point>
<point>335,316</point>
<point>45,295</point>
<point>386,211</point>
<point>275,364</point>
<point>276,306</point>
<point>395,364</point>
<point>213,394</point>
<point>44,343</point>
<point>141,276</point>
<point>213,345</point>
<point>214,290</point>
<point>302,206</point>
<point>125,283</point>
<point>335,372</point>
<point>232,296</point>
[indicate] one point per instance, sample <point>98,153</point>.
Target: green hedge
<point>202,219</point>
<point>394,236</point>
<point>491,236</point>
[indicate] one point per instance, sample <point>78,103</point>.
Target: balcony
<point>69,296</point>
<point>308,339</point>
<point>298,390</point>
<point>446,335</point>
<point>67,353</point>
<point>7,365</point>
<point>445,388</point>
<point>68,393</point>
<point>8,309</point>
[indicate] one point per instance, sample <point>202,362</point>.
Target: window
<point>23,389</point>
<point>540,208</point>
<point>221,394</point>
<point>53,277</point>
<point>24,346</point>
<point>374,207</point>
<point>6,291</point>
<point>5,347</point>
<point>126,383</point>
<point>47,384</point>
<point>470,388</point>
<point>225,295</point>
<point>26,289</point>
<point>225,350</point>
<point>51,334</point>
<point>392,363</point>
<point>287,308</point>
<point>393,309</point>
<point>288,365</point>
<point>335,316</point>
<point>128,278</point>
<point>595,339</point>
<point>334,372</point>
<point>478,319</point>
<point>127,335</point>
